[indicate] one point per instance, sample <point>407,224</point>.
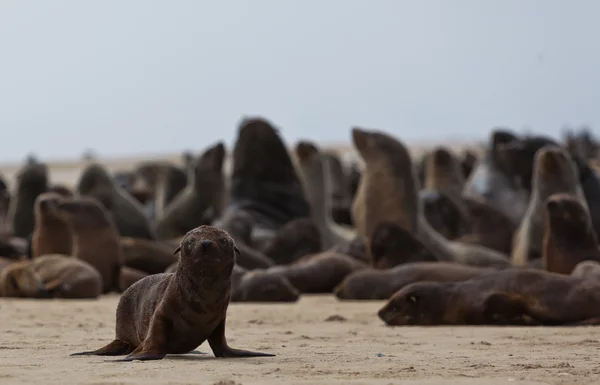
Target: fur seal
<point>373,284</point>
<point>201,200</point>
<point>297,238</point>
<point>388,193</point>
<point>569,237</point>
<point>316,173</point>
<point>446,213</point>
<point>443,172</point>
<point>391,246</point>
<point>554,172</point>
<point>95,237</point>
<point>492,182</point>
<point>511,296</point>
<point>341,194</point>
<point>319,273</point>
<point>170,181</point>
<point>51,234</point>
<point>128,276</point>
<point>151,257</point>
<point>31,181</point>
<point>489,226</point>
<point>50,276</point>
<point>128,213</point>
<point>173,313</point>
<point>256,286</point>
<point>264,181</point>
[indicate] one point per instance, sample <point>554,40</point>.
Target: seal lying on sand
<point>256,286</point>
<point>128,213</point>
<point>264,181</point>
<point>511,296</point>
<point>173,313</point>
<point>391,246</point>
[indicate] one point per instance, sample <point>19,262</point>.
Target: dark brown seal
<point>445,212</point>
<point>95,237</point>
<point>128,213</point>
<point>50,276</point>
<point>389,193</point>
<point>258,286</point>
<point>149,256</point>
<point>554,172</point>
<point>569,237</point>
<point>173,313</point>
<point>372,284</point>
<point>297,238</point>
<point>319,273</point>
<point>51,234</point>
<point>512,296</point>
<point>201,200</point>
<point>391,246</point>
<point>31,181</point>
<point>264,181</point>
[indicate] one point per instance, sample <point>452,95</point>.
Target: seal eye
<point>412,298</point>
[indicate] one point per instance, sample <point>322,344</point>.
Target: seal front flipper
<point>218,344</point>
<point>115,348</point>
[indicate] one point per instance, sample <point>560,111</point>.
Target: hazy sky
<point>136,76</point>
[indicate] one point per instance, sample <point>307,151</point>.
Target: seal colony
<point>499,235</point>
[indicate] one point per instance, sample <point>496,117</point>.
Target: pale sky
<point>129,77</point>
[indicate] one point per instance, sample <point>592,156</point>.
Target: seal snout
<point>205,244</point>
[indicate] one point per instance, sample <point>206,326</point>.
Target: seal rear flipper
<point>218,344</point>
<point>143,354</point>
<point>115,348</point>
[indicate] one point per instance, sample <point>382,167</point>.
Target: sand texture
<point>317,341</point>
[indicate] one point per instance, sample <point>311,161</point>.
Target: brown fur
<point>128,213</point>
<point>569,237</point>
<point>202,199</point>
<point>389,193</point>
<point>151,257</point>
<point>554,172</point>
<point>51,234</point>
<point>20,280</point>
<point>391,246</point>
<point>128,276</point>
<point>95,237</point>
<point>371,284</point>
<point>587,270</point>
<point>173,313</point>
<point>355,248</point>
<point>295,239</point>
<point>443,172</point>
<point>511,296</point>
<point>320,273</point>
<point>31,181</point>
<point>445,213</point>
<point>257,286</point>
<point>341,191</point>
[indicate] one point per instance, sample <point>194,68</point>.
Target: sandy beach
<point>318,340</point>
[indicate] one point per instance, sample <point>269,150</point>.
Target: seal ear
<point>236,250</point>
<point>177,250</point>
<point>412,298</point>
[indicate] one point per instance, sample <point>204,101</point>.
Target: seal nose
<point>205,244</point>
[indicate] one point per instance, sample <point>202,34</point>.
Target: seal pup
<point>446,213</point>
<point>151,257</point>
<point>201,200</point>
<point>51,234</point>
<point>256,286</point>
<point>95,237</point>
<point>319,273</point>
<point>19,280</point>
<point>554,172</point>
<point>514,296</point>
<point>174,313</point>
<point>391,245</point>
<point>376,284</point>
<point>489,226</point>
<point>31,181</point>
<point>264,181</point>
<point>128,213</point>
<point>389,193</point>
<point>569,237</point>
<point>491,180</point>
<point>297,238</point>
<point>316,173</point>
<point>66,277</point>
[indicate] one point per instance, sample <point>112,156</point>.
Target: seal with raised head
<point>264,181</point>
<point>51,234</point>
<point>554,172</point>
<point>128,213</point>
<point>174,313</point>
<point>373,284</point>
<point>31,181</point>
<point>316,177</point>
<point>95,237</point>
<point>201,200</point>
<point>569,237</point>
<point>515,296</point>
<point>388,193</point>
